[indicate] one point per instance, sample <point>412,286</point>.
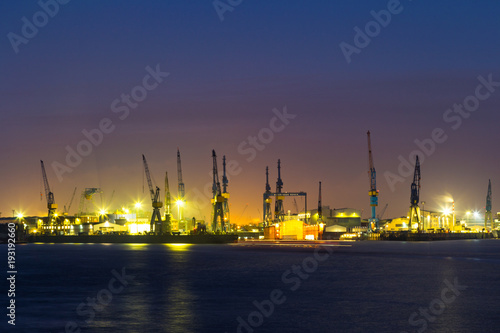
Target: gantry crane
<point>180,188</point>
<point>487,214</point>
<point>279,211</point>
<point>373,192</point>
<point>414,213</point>
<point>225,195</point>
<point>156,225</point>
<point>51,204</point>
<point>218,199</point>
<point>267,202</point>
<point>168,214</point>
<point>320,208</point>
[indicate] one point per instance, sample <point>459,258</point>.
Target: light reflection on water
<point>371,287</point>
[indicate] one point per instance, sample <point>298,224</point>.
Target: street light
<point>180,204</point>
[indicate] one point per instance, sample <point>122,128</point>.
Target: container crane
<point>156,224</point>
<point>51,204</point>
<point>487,214</point>
<point>168,214</point>
<point>225,195</point>
<point>180,188</point>
<point>414,213</point>
<point>373,192</point>
<point>218,199</point>
<point>267,202</point>
<point>279,212</point>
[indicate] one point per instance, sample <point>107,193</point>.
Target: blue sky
<point>225,79</point>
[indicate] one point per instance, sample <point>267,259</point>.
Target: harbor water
<point>448,286</point>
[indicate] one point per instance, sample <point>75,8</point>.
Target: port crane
<point>320,208</point>
<point>66,209</point>
<point>168,214</point>
<point>156,224</point>
<point>218,199</point>
<point>225,195</point>
<point>414,213</point>
<point>279,212</point>
<point>373,192</point>
<point>49,196</point>
<point>487,214</point>
<point>180,188</point>
<point>267,201</point>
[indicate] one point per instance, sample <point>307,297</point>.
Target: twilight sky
<point>225,78</point>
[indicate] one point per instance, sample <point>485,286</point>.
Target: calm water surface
<point>365,287</point>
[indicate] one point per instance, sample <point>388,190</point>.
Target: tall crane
<point>225,195</point>
<point>320,208</point>
<point>180,188</point>
<point>267,202</point>
<point>168,214</point>
<point>156,225</point>
<point>373,192</point>
<point>218,199</point>
<point>66,209</point>
<point>51,204</point>
<point>487,214</point>
<point>279,211</point>
<point>414,213</point>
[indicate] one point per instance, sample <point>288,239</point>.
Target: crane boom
<point>148,177</point>
<point>373,192</point>
<point>372,173</point>
<point>49,196</point>
<point>180,189</point>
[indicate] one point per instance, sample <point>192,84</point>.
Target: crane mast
<point>414,214</point>
<point>487,214</point>
<point>320,208</point>
<point>156,224</point>
<point>218,199</point>
<point>51,205</point>
<point>373,192</point>
<point>279,212</point>
<point>180,188</point>
<point>267,201</point>
<point>168,213</point>
<point>225,195</point>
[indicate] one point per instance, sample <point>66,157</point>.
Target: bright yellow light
<point>20,215</point>
<point>126,211</point>
<point>56,215</point>
<point>467,213</point>
<point>179,247</point>
<point>102,212</point>
<point>138,205</point>
<point>446,211</point>
<point>180,203</point>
